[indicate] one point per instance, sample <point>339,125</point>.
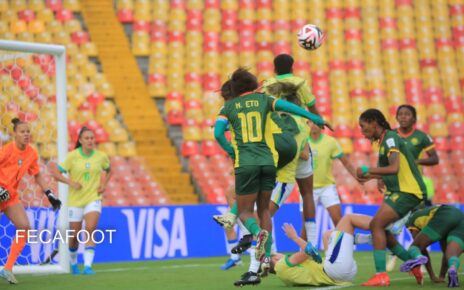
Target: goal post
<point>59,55</point>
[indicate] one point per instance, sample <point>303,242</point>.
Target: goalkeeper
<point>85,167</point>
<point>16,159</point>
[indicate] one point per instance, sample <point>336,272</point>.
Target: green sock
<point>268,245</point>
<point>234,209</point>
<point>453,261</point>
<point>400,252</point>
<point>380,261</point>
<point>252,226</point>
<point>414,252</point>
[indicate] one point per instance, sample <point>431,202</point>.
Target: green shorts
<point>402,202</point>
<point>254,179</point>
<point>285,145</point>
<point>457,235</point>
<point>446,219</point>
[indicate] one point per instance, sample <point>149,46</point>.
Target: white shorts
<point>339,263</point>
<point>327,196</point>
<point>304,168</point>
<point>281,192</point>
<point>76,214</point>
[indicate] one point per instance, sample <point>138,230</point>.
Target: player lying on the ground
<point>339,266</point>
<point>437,223</point>
<point>254,159</point>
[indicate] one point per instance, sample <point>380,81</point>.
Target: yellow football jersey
<point>85,169</point>
<point>307,273</point>
<point>304,93</point>
<point>324,151</point>
<point>287,173</point>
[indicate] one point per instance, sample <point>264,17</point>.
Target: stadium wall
<point>168,232</point>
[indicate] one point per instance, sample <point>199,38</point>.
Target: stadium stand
<point>90,95</point>
<point>378,54</point>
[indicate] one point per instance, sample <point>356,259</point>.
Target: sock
<point>243,229</point>
<point>453,261</point>
<point>73,255</point>
<point>252,226</point>
<point>234,209</point>
<point>254,264</point>
<point>17,246</point>
<point>268,245</point>
<point>89,253</point>
<point>273,247</point>
<point>401,252</point>
<point>230,245</point>
<point>311,231</point>
<point>414,252</point>
<point>360,239</point>
<point>380,261</point>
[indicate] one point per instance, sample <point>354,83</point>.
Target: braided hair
<point>374,115</point>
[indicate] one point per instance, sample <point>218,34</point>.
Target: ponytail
<point>83,129</point>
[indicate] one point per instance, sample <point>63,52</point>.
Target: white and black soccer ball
<point>310,37</point>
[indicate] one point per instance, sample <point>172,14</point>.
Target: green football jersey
<point>248,116</point>
<point>419,219</point>
<point>408,179</point>
<point>417,142</point>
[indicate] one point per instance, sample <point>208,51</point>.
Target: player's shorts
<point>446,219</point>
<point>281,192</point>
<point>304,168</point>
<point>339,263</point>
<point>402,203</point>
<point>76,214</point>
<point>14,199</point>
<point>457,235</point>
<point>253,179</point>
<point>285,145</point>
<point>327,196</point>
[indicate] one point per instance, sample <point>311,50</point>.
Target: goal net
<point>33,88</point>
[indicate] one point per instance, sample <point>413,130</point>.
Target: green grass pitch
<point>195,274</point>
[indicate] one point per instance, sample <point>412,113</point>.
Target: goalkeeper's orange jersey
<point>15,163</point>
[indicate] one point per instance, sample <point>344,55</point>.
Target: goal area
<point>33,88</point>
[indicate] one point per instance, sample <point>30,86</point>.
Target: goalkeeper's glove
<point>54,201</point>
<point>4,194</point>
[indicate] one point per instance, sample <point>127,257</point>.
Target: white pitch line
<point>122,269</point>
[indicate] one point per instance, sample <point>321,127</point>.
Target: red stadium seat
<point>362,145</point>
<point>457,143</point>
<point>456,129</point>
<point>190,148</point>
<point>210,148</point>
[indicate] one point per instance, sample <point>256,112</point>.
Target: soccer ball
<point>310,37</point>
